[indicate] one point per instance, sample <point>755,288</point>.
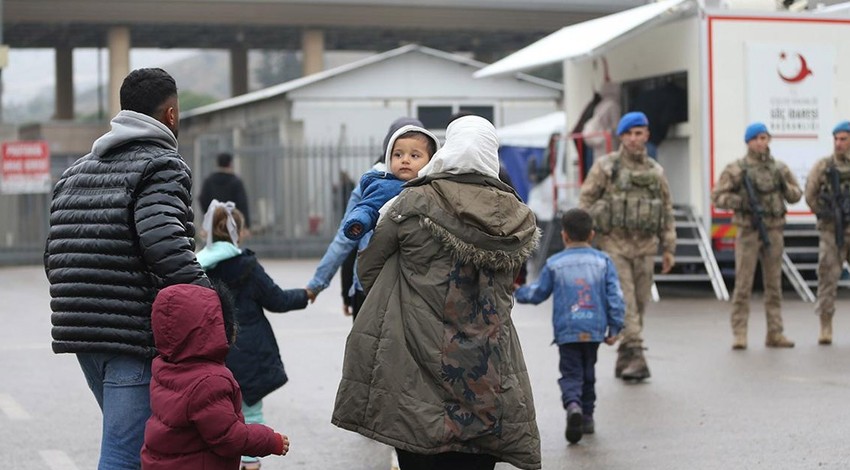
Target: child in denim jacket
<point>588,309</point>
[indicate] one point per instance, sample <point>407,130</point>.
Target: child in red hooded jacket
<point>196,417</point>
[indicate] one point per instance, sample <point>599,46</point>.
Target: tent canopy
<point>837,8</point>
<point>533,133</point>
<point>587,38</point>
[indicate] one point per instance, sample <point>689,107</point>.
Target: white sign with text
<point>790,88</point>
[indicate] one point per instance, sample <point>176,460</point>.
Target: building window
<point>265,132</point>
<point>434,117</point>
<point>437,117</point>
<point>484,111</point>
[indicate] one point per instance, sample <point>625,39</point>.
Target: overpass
<point>488,28</point>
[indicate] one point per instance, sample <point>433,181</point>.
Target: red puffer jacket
<point>196,405</point>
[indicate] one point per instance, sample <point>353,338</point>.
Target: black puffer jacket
<point>120,229</point>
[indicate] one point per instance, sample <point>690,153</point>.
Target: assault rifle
<point>757,210</point>
<point>839,203</point>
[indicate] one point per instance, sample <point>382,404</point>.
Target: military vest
<point>632,201</point>
<point>830,199</point>
<point>768,185</point>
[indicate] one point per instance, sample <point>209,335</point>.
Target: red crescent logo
<point>804,72</point>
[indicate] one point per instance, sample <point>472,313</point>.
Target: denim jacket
<point>588,303</point>
<point>339,249</point>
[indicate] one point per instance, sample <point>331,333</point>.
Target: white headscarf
<point>207,225</point>
<point>471,147</point>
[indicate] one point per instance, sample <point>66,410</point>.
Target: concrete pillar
<point>118,40</point>
<point>64,83</point>
<point>313,49</point>
<point>238,70</point>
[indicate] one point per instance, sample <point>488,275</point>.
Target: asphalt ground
<point>705,406</point>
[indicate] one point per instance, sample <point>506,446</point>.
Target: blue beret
<point>843,126</point>
<point>753,130</point>
<point>632,119</point>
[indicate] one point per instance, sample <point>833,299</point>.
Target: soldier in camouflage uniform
<point>773,184</point>
<point>824,202</point>
<point>629,198</point>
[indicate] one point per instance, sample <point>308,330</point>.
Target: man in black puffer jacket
<point>120,230</point>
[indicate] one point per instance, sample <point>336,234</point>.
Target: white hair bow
<point>231,223</point>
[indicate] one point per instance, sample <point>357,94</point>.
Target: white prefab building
<point>355,103</point>
<point>296,143</point>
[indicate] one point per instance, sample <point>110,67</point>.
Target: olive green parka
<point>433,363</point>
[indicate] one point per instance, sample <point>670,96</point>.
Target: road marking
<point>57,460</point>
<point>12,409</point>
<point>818,380</point>
<point>26,346</point>
<point>393,460</point>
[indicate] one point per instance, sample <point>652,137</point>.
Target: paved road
<point>706,407</point>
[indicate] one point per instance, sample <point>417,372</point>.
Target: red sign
<point>25,167</point>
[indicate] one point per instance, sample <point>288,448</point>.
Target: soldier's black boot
<point>636,369</point>
<point>624,356</point>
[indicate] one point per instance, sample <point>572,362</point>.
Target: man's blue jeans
<point>121,386</point>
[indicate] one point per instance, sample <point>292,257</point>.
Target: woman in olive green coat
<point>433,365</point>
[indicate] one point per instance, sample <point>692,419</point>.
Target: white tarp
<point>841,8</point>
<point>533,133</point>
<point>581,39</point>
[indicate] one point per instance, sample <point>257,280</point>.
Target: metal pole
<point>705,121</point>
<point>568,169</point>
<point>100,86</point>
<point>1,68</point>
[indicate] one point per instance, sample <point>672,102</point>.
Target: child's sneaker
<point>574,423</point>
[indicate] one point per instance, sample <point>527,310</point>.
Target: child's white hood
<point>389,153</point>
<point>398,133</point>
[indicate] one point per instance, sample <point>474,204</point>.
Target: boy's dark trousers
<point>578,375</point>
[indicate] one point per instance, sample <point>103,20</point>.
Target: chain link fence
<point>297,195</point>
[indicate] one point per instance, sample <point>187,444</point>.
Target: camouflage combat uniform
<point>630,201</point>
<point>774,184</point>
<point>819,197</point>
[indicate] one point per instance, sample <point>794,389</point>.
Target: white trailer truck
<point>787,69</point>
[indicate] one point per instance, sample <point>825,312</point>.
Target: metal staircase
<point>801,248</point>
<point>695,261</point>
<point>793,275</point>
<point>800,255</point>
